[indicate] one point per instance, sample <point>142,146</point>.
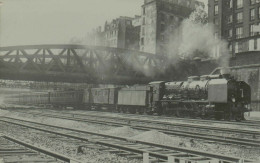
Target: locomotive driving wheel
<point>238,117</point>
<point>179,113</point>
<point>218,116</point>
<point>227,117</point>
<point>205,116</point>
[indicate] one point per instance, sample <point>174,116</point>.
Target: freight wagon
<point>100,98</point>
<point>66,98</point>
<point>134,99</point>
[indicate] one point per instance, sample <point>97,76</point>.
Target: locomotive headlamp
<point>233,99</point>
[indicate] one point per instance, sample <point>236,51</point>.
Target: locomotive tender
<point>217,96</point>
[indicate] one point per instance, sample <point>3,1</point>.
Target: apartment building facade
<point>121,33</point>
<point>236,21</point>
<point>160,24</point>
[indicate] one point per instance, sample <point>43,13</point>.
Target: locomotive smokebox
<point>225,72</point>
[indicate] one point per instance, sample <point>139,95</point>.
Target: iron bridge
<point>79,63</point>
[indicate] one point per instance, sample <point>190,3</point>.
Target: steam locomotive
<point>209,96</point>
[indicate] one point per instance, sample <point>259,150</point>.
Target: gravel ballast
<point>149,136</point>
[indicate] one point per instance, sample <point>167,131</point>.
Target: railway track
<point>124,146</point>
<point>247,123</point>
<point>14,150</point>
<point>134,120</point>
<point>167,129</point>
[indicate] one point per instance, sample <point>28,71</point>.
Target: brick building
<point>238,22</point>
<point>121,33</point>
<point>160,22</point>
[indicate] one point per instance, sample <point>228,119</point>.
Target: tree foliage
<point>199,16</point>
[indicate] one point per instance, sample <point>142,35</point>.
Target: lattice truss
<point>95,62</point>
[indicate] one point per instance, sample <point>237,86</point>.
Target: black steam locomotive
<point>209,96</point>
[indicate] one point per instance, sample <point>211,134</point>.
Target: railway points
<point>252,138</point>
<point>123,144</point>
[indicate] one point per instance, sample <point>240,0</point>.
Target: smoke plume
<point>197,39</point>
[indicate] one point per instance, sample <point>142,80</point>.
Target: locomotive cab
<point>229,97</point>
<point>157,92</point>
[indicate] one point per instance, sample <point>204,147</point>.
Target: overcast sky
<point>26,22</point>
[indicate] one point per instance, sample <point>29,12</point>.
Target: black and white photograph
<point>129,81</point>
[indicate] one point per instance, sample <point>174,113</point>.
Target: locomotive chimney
<point>225,72</point>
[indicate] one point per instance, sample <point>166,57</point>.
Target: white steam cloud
<point>200,37</point>
<point>197,36</point>
<point>190,38</point>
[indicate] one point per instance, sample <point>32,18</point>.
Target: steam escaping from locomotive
<point>225,72</point>
<point>197,37</point>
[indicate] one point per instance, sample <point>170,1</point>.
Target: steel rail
<point>178,124</point>
<point>40,150</point>
<point>210,137</point>
<point>107,143</point>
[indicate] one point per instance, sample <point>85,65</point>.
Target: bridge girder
<point>79,63</point>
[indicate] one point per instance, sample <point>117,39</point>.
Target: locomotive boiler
<point>217,96</point>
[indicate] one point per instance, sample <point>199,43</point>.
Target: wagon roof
<point>157,82</point>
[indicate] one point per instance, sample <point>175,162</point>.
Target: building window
<point>216,21</point>
<point>143,10</point>
<point>236,47</point>
<point>252,14</point>
<point>143,31</point>
<point>254,1</point>
<point>171,18</point>
<point>231,4</point>
<point>230,33</point>
<point>251,45</point>
<point>216,9</point>
<point>162,37</point>
<point>230,18</point>
<point>162,17</point>
<point>239,17</point>
<point>239,3</point>
<point>258,12</point>
<point>142,41</point>
<point>128,22</point>
<point>230,48</point>
<point>254,44</point>
<point>239,32</point>
<point>252,33</point>
<point>216,53</point>
<point>216,35</point>
<point>177,19</point>
<point>254,29</point>
<point>162,27</point>
<point>143,20</point>
<point>172,28</point>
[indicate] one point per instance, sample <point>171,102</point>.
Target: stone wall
<point>246,66</point>
<point>251,76</point>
